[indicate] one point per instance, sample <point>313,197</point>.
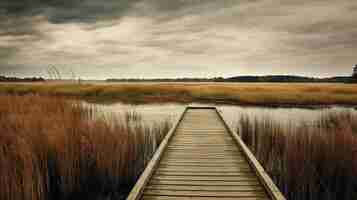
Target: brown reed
<point>52,148</point>
<point>307,161</point>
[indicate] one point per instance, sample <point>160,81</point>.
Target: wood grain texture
<point>202,159</point>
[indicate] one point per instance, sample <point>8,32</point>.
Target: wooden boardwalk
<point>202,159</point>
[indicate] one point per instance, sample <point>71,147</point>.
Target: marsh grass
<point>277,94</point>
<point>52,148</point>
<point>308,161</point>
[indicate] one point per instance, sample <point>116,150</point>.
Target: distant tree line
<point>261,79</point>
<point>16,79</point>
<point>166,80</point>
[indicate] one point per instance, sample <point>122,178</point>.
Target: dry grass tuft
<point>311,161</point>
<point>51,148</point>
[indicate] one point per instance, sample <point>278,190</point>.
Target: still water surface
<point>158,112</point>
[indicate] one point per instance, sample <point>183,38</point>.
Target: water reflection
<point>152,113</point>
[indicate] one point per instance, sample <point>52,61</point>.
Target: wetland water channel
<point>152,113</point>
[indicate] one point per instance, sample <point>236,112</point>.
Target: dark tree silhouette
<point>354,74</point>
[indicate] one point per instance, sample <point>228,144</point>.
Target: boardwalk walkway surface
<point>202,159</point>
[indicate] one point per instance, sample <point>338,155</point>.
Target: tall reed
<point>51,148</point>
<point>307,161</point>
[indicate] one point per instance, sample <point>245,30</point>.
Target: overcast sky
<point>100,39</point>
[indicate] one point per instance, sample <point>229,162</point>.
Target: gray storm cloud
<point>160,38</point>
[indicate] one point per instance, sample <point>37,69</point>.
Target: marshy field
<point>256,94</point>
<point>92,141</point>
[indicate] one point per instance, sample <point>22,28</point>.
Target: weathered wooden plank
<point>206,183</point>
<point>193,157</point>
<point>202,145</point>
<point>207,169</point>
<point>204,158</point>
<point>204,141</point>
<point>236,194</point>
<point>198,130</point>
<point>216,162</point>
<point>206,138</point>
<point>206,188</point>
<point>203,164</point>
<point>156,197</point>
<point>206,148</point>
<point>206,178</point>
<point>205,155</point>
<point>188,173</point>
<point>202,161</point>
